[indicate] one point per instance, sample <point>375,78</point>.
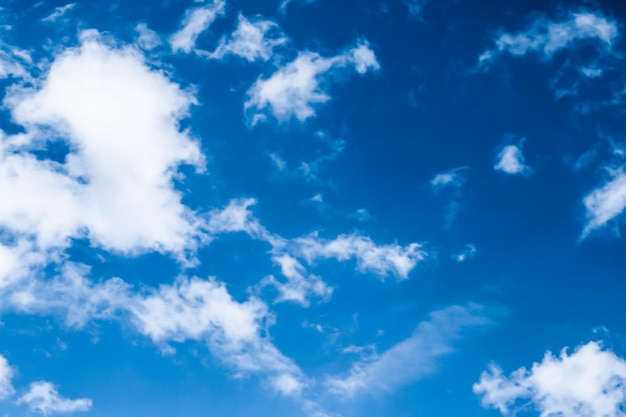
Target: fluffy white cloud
<point>412,359</point>
<point>120,120</point>
<point>6,377</point>
<point>194,23</point>
<point>591,382</point>
<point>547,37</point>
<point>295,89</point>
<point>605,202</point>
<point>381,260</point>
<point>44,398</point>
<point>252,40</point>
<point>510,160</point>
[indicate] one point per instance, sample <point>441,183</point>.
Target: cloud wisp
<point>411,359</point>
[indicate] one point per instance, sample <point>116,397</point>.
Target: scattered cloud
<point>252,40</point>
<point>295,89</point>
<point>195,22</point>
<point>468,252</point>
<point>590,382</point>
<point>412,359</point>
<point>44,398</point>
<point>147,39</point>
<point>510,160</point>
<point>452,178</point>
<point>381,260</point>
<point>58,13</point>
<point>6,377</point>
<point>285,4</point>
<point>547,37</point>
<point>606,202</point>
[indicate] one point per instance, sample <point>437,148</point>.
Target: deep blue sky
<point>312,208</point>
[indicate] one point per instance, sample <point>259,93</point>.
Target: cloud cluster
<point>252,40</point>
<point>547,37</point>
<point>120,121</point>
<point>590,382</point>
<point>42,396</point>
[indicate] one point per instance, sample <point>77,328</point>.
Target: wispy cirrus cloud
<point>606,202</point>
<point>413,358</point>
<point>195,21</point>
<point>589,382</point>
<point>547,37</point>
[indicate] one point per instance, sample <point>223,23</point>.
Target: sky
<point>312,208</point>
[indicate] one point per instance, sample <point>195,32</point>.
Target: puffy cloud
<point>6,377</point>
<point>547,37</point>
<point>381,260</point>
<point>295,89</point>
<point>413,358</point>
<point>590,382</point>
<point>252,40</point>
<point>510,160</point>
<point>605,202</point>
<point>44,398</point>
<point>120,121</point>
<point>194,23</point>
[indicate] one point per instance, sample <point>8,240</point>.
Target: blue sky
<point>312,208</point>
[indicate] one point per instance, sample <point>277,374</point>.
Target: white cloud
<point>58,12</point>
<point>547,37</point>
<point>120,120</point>
<point>285,3</point>
<point>413,358</point>
<point>300,285</point>
<point>381,260</point>
<point>6,377</point>
<point>194,23</point>
<point>147,39</point>
<point>590,382</point>
<point>235,332</point>
<point>605,202</point>
<point>452,178</point>
<point>13,62</point>
<point>295,89</point>
<point>468,252</point>
<point>44,398</point>
<point>510,160</point>
<point>252,40</point>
